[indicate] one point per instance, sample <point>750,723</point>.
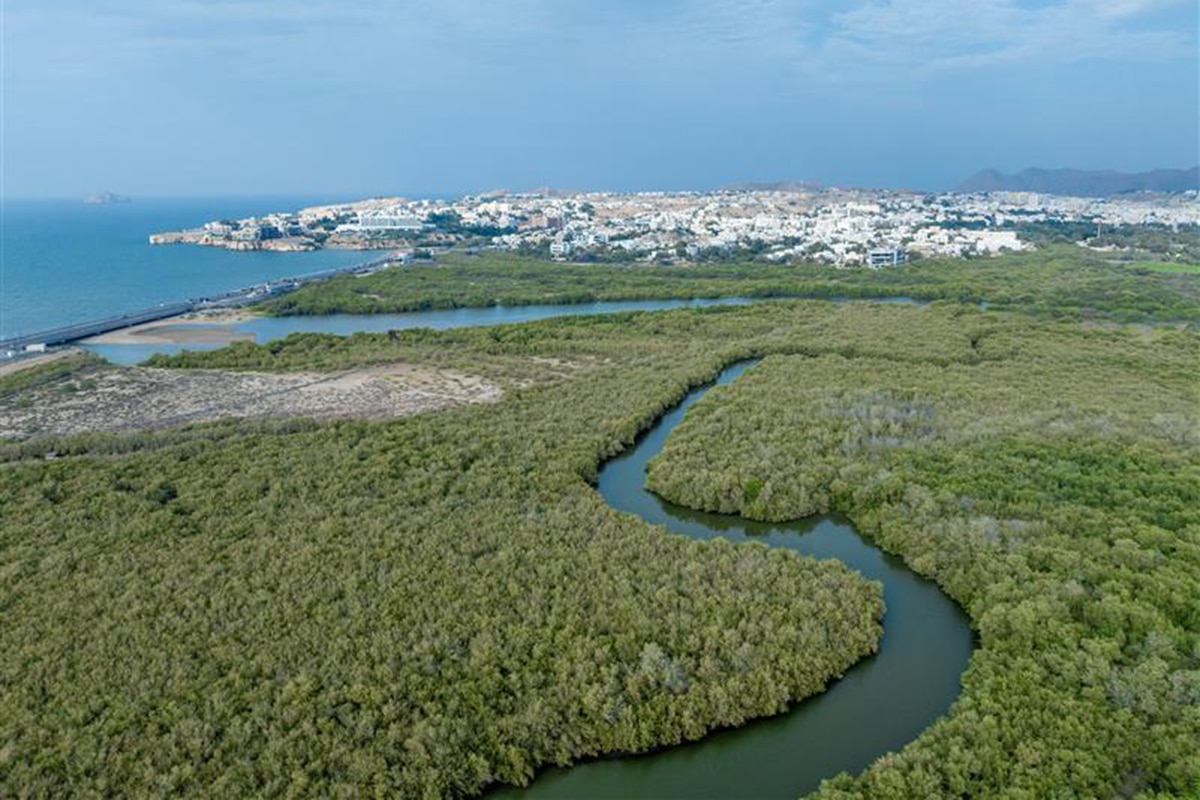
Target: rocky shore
<point>288,244</point>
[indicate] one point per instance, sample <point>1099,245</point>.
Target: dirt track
<point>138,398</point>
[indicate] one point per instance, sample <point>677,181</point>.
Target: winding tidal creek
<point>881,704</point>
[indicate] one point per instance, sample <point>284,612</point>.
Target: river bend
<point>882,703</point>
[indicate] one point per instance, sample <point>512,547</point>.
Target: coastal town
<point>835,226</point>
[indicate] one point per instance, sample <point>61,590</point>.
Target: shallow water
<point>266,329</point>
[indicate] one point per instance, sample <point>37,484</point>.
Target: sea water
<point>63,262</point>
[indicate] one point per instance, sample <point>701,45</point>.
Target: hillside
<point>1084,183</point>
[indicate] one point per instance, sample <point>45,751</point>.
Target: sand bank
<point>201,327</point>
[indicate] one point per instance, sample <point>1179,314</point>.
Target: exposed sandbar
<point>203,327</point>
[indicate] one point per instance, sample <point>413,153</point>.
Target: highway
<point>16,345</point>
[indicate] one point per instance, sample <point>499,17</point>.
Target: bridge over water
<point>71,333</point>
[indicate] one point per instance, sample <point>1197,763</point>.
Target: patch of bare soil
<point>139,398</point>
<point>28,362</point>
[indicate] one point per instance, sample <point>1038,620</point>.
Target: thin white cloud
<point>911,38</point>
<point>885,41</point>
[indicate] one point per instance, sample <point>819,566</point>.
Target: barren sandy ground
<point>28,362</point>
<point>205,327</point>
<point>137,398</point>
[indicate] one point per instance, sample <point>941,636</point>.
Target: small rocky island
<point>105,199</point>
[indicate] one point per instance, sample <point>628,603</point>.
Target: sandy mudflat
<point>174,333</point>
<point>204,327</point>
<point>139,398</point>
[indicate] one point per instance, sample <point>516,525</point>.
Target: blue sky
<point>209,97</point>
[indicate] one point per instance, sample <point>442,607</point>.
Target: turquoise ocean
<point>64,262</point>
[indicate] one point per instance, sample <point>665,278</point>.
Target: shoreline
<point>195,327</point>
<point>213,312</point>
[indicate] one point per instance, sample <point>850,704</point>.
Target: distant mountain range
<point>1083,182</point>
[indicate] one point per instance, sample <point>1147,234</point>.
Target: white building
<point>387,220</point>
<point>994,242</point>
<point>886,257</point>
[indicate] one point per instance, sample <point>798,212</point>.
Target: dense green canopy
<point>1058,279</point>
<point>1050,484</point>
<point>431,604</point>
<point>420,607</point>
